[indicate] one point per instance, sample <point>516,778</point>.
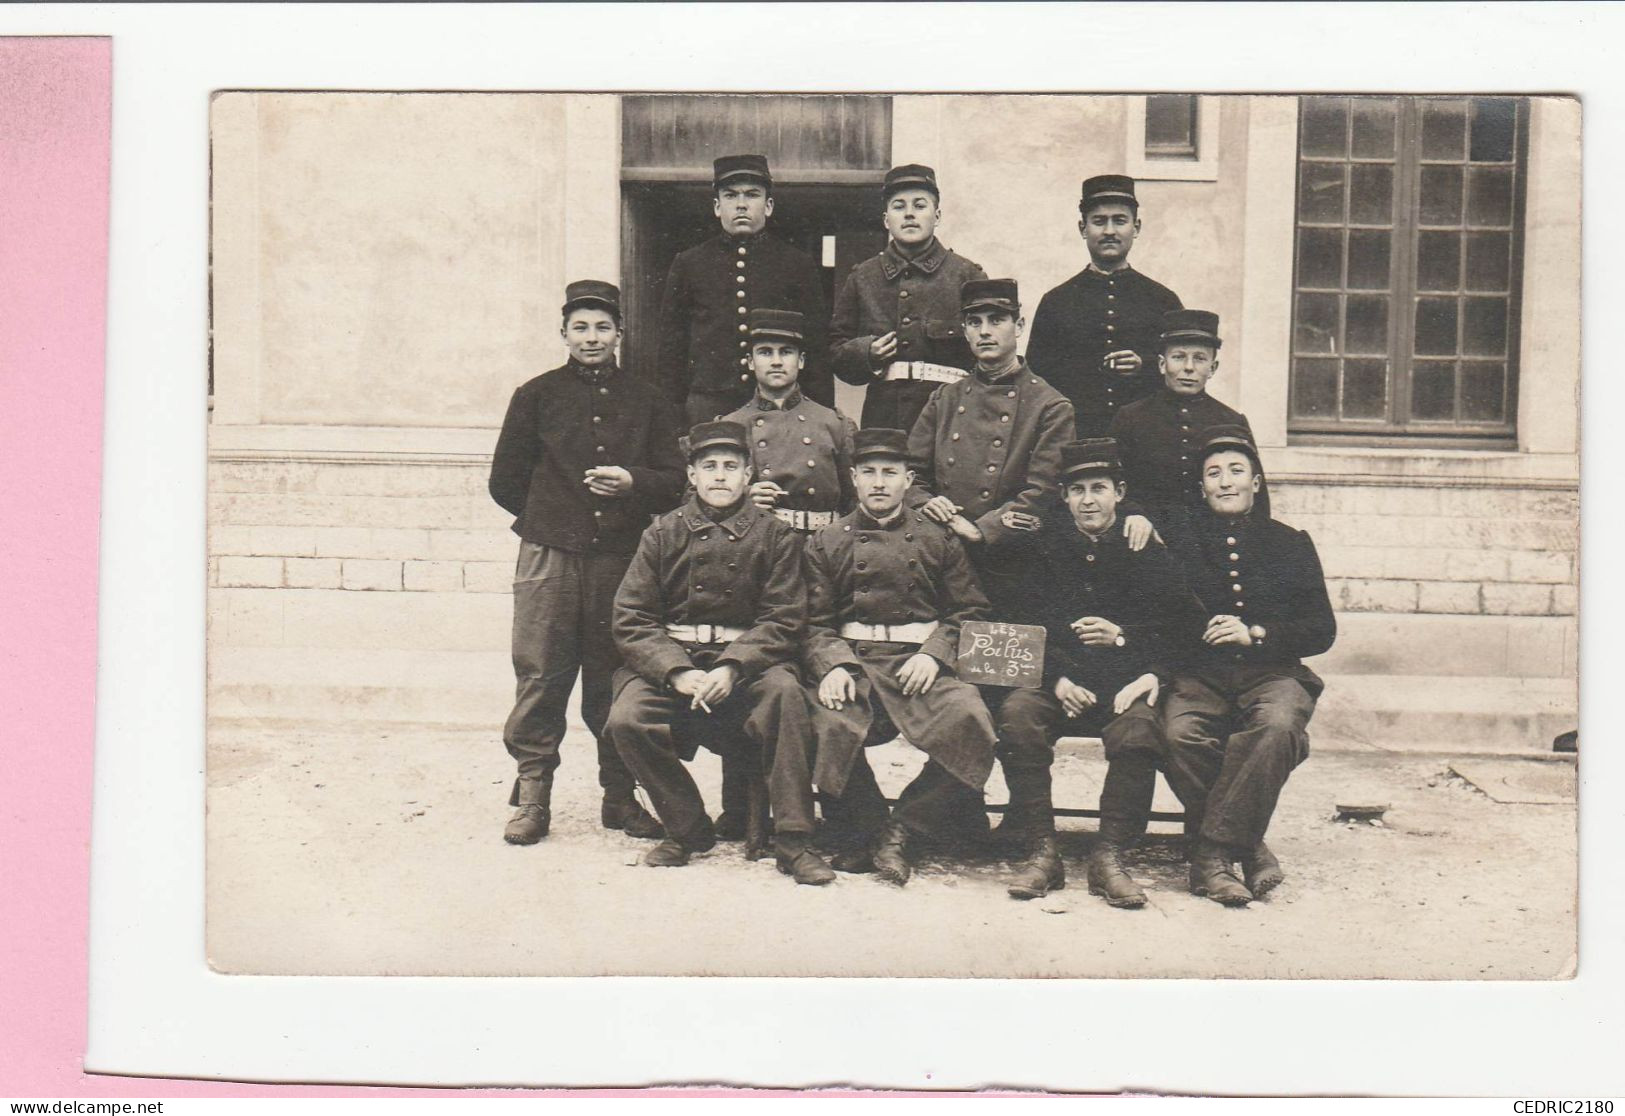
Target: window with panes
<point>1408,253</point>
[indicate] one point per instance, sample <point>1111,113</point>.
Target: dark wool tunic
<point>803,447</point>
<point>1160,442</point>
<point>569,420</point>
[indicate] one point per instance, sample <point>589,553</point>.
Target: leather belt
<point>804,520</point>
<point>917,632</point>
<point>703,633</point>
<point>923,370</point>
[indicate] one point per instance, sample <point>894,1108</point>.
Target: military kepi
<point>1091,455</point>
<point>879,441</point>
<point>787,325</point>
<point>1200,326</point>
<point>593,292</point>
<point>998,293</point>
<point>718,435</point>
<point>731,167</point>
<point>1107,188</point>
<point>1219,439</point>
<point>910,176</point>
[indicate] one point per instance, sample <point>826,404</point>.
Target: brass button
<point>962,409</point>
<point>1004,418</point>
<point>1088,557</point>
<point>1234,557</point>
<point>741,309</point>
<point>955,434</point>
<point>997,442</point>
<point>806,441</point>
<point>811,463</point>
<point>950,461</point>
<point>1230,541</point>
<point>992,468</point>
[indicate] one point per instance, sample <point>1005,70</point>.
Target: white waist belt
<point>917,632</point>
<point>923,370</point>
<point>703,633</point>
<point>804,520</point>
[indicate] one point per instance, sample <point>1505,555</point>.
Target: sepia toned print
<point>563,621</point>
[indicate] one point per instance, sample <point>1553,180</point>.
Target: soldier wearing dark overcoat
<point>704,356</point>
<point>1236,713</point>
<point>588,452</point>
<point>888,590</point>
<point>896,327</point>
<point>1095,337</point>
<point>710,619</point>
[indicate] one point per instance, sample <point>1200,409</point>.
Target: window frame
<point>1146,166</point>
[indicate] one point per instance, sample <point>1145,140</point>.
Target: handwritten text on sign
<point>996,654</point>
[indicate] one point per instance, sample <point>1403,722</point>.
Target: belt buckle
<point>703,633</point>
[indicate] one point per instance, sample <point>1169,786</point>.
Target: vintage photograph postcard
<point>893,535</point>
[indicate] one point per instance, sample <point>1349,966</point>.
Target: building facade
<point>1398,281</point>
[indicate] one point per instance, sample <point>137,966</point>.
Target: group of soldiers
<point>769,581</point>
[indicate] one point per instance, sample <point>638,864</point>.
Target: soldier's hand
<point>609,480</point>
<point>1096,631</point>
<point>1226,631</point>
<point>1125,361</point>
<point>940,509</point>
<point>883,348</point>
<point>719,683</point>
<point>1145,686</point>
<point>688,682</point>
<point>1137,530</point>
<point>1073,698</point>
<point>765,494</point>
<point>837,688</point>
<point>918,674</point>
<point>965,529</point>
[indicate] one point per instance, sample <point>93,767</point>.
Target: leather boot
<point>891,855</point>
<point>796,858</point>
<point>1108,877</point>
<point>628,815</point>
<point>531,821</point>
<point>1042,874</point>
<point>857,861</point>
<point>672,853</point>
<point>1211,875</point>
<point>1261,870</point>
<point>758,817</point>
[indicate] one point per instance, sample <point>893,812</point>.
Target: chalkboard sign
<point>998,654</point>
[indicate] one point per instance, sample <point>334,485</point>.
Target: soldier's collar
<point>873,524</point>
<point>893,260</point>
<point>737,523</point>
<point>592,375</point>
<point>1090,267</point>
<point>1006,376</point>
<point>729,240</point>
<point>790,402</point>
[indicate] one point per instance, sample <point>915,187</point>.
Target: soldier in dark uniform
<point>711,618</point>
<point>587,454</point>
<point>1236,713</point>
<point>888,590</point>
<point>712,287</point>
<point>1160,436</point>
<point>1095,336</point>
<point>896,327</point>
<point>1113,615</point>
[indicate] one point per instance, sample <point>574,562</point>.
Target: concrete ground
<point>333,851</point>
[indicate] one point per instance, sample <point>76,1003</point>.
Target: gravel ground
<point>379,853</point>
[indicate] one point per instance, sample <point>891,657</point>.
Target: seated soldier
<point>1235,715</point>
<point>710,618</point>
<point>887,591</point>
<point>1111,613</point>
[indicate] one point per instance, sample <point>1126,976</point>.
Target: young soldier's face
<point>992,334</point>
<point>1092,500</point>
<point>1186,369</point>
<point>1109,229</point>
<point>1229,482</point>
<point>743,207</point>
<point>911,217</point>
<point>719,476</point>
<point>880,484</point>
<point>591,335</point>
<point>776,364</point>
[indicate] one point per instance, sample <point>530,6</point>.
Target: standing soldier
<point>1095,336</point>
<point>1236,714</point>
<point>587,454</point>
<point>896,327</point>
<point>711,619</point>
<point>712,287</point>
<point>888,591</point>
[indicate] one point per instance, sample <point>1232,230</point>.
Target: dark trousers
<point>1030,722</point>
<point>933,805</point>
<point>1230,747</point>
<point>654,729</point>
<point>561,609</point>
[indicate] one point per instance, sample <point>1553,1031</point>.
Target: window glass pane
<point>1438,261</point>
<point>1489,196</point>
<point>1373,127</point>
<point>1494,127</point>
<point>1441,196</point>
<point>1320,258</point>
<point>1433,391</point>
<point>1316,327</point>
<point>1325,126</point>
<point>1366,328</point>
<point>1489,261</point>
<point>1483,391</point>
<point>1371,194</point>
<point>1484,327</point>
<point>1435,327</point>
<point>1320,193</point>
<point>1314,388</point>
<point>1369,254</point>
<point>1170,123</point>
<point>1365,389</point>
<point>1444,129</point>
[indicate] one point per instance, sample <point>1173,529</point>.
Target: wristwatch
<point>1257,632</point>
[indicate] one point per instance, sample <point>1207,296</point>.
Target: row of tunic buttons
<point>744,342</point>
<point>1235,586</point>
<point>598,513</point>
